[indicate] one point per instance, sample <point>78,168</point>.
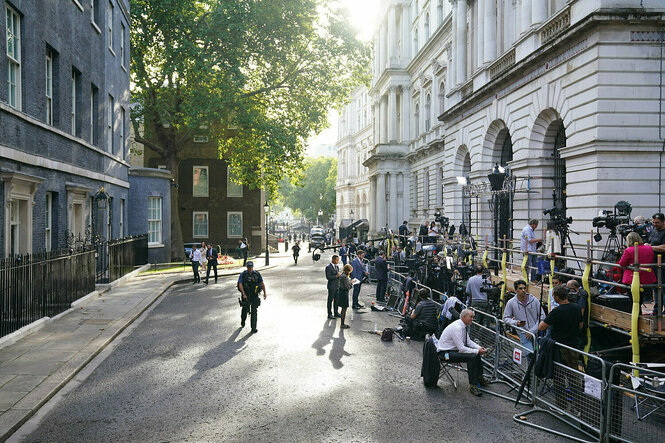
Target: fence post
<point>505,275</point>
<point>587,288</point>
<point>635,314</point>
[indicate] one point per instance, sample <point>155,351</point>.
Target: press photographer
<point>423,318</point>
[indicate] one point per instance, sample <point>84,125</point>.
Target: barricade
<point>516,347</point>
<point>571,396</point>
<point>636,404</point>
<point>483,332</point>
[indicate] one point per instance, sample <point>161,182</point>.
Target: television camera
<point>612,219</point>
<point>493,292</point>
<point>442,220</point>
<point>561,223</point>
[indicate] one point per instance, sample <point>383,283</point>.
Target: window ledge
<point>155,245</point>
<point>76,2</point>
<point>112,51</point>
<point>123,68</point>
<point>94,25</point>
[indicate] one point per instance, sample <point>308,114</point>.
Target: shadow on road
<point>325,336</point>
<point>222,353</point>
<point>337,351</point>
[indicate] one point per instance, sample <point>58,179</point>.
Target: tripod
<point>565,237</point>
<point>610,253</point>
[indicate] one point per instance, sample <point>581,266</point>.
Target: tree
<point>314,191</point>
<point>260,74</point>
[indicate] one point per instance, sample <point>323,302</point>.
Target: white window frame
<point>229,173</point>
<point>228,224</point>
<point>157,221</point>
<point>48,222</point>
<point>194,214</point>
<point>48,74</point>
<point>122,132</point>
<point>73,98</point>
<point>121,221</point>
<point>13,41</point>
<point>109,124</point>
<point>207,192</point>
<point>93,114</point>
<point>122,45</point>
<point>109,27</point>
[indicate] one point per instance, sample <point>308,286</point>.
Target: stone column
<point>392,114</point>
<point>393,223</point>
<point>372,204</point>
<point>375,125</point>
<point>377,56</point>
<point>538,12</point>
<point>392,37</point>
<point>480,43</point>
<point>460,41</point>
<point>380,200</point>
<point>383,121</point>
<point>406,35</point>
<point>406,114</point>
<point>525,12</point>
<point>489,32</point>
<point>382,50</point>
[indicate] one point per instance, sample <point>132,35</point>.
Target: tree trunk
<point>177,246</point>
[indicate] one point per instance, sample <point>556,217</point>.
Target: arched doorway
<point>466,201</point>
<point>559,176</point>
<point>503,201</point>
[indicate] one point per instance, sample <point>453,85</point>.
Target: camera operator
<point>528,245</point>
<point>423,318</point>
<point>579,296</point>
<point>557,280</point>
<point>524,311</point>
<point>657,239</point>
<point>423,232</point>
<point>403,233</point>
<point>477,299</point>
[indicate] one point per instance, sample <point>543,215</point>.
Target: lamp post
<point>319,214</point>
<point>266,206</point>
<point>496,178</point>
<point>351,225</point>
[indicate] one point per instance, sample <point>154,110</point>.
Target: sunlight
<point>363,16</point>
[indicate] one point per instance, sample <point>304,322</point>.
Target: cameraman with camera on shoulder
<point>477,299</point>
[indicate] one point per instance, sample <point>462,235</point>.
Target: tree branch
<point>147,143</point>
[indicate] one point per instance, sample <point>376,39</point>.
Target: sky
<point>360,10</point>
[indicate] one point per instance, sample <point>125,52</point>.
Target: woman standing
<point>433,232</point>
<point>343,292</point>
<point>645,256</point>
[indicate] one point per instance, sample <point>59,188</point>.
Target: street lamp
<point>496,178</point>
<point>319,214</point>
<point>351,225</point>
<point>266,206</point>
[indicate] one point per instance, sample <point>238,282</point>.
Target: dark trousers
<point>474,364</point>
<point>356,293</point>
<point>212,263</point>
<point>381,286</point>
<point>244,256</point>
<point>567,384</point>
<point>195,268</point>
<point>532,261</point>
<point>416,329</point>
<point>250,308</point>
<point>332,301</point>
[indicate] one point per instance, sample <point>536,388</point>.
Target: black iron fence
<point>117,258</point>
<point>42,285</point>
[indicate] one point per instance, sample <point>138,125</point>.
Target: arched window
<point>439,11</point>
<point>442,97</point>
<point>559,168</point>
<point>426,190</point>
<point>426,26</point>
<point>428,111</point>
<point>417,120</point>
<point>415,41</point>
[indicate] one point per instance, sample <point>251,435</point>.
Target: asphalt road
<point>188,372</point>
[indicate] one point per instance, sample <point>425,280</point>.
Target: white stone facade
<point>460,85</point>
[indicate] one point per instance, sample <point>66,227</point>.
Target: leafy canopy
<point>261,75</point>
<point>315,190</point>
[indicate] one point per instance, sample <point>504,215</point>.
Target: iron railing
<point>119,257</point>
<point>42,285</point>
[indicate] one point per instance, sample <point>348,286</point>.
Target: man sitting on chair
<point>423,319</point>
<point>455,345</point>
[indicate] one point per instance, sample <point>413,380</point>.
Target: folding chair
<point>446,367</point>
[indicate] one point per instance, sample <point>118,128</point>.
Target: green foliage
<point>260,74</point>
<point>317,180</point>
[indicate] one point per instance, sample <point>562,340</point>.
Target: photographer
<point>477,299</point>
<point>528,246</point>
<point>403,233</point>
<point>423,318</point>
<point>645,255</point>
<point>579,296</point>
<point>524,311</point>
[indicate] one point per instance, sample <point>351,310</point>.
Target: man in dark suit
<point>403,233</point>
<point>358,273</point>
<point>211,256</point>
<point>332,274</point>
<point>381,267</point>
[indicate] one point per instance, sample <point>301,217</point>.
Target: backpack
<point>387,334</point>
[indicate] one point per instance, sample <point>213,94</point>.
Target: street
<point>189,372</point>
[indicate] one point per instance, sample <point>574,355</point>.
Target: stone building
<point>564,94</point>
<point>64,120</point>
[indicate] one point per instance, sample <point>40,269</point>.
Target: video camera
<point>560,222</point>
<point>441,220</point>
<point>611,219</point>
<point>493,292</point>
<point>642,230</point>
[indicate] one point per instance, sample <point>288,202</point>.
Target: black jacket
<point>381,267</point>
<point>431,366</point>
<point>548,353</point>
<point>331,276</point>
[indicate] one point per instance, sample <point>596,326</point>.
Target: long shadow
<point>325,336</point>
<point>222,353</point>
<point>337,351</point>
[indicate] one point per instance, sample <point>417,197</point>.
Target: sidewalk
<point>37,366</point>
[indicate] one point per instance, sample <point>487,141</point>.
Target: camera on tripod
<point>611,219</point>
<point>441,220</point>
<point>560,222</point>
<point>493,292</point>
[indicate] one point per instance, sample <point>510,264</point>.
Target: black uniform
<point>212,263</point>
<point>296,252</point>
<point>251,284</point>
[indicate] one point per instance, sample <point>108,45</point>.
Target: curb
<point>82,364</point>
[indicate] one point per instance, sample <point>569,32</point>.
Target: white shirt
<point>453,338</point>
<point>552,242</point>
<point>243,245</point>
<point>196,256</point>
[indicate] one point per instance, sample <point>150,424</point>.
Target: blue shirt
<point>528,234</point>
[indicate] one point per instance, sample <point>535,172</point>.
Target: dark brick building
<point>64,121</point>
<point>211,206</point>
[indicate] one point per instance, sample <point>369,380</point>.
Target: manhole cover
<point>95,321</point>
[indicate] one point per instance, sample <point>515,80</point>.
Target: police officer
<point>250,284</point>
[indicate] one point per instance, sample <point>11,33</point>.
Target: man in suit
<point>403,233</point>
<point>343,253</point>
<point>381,267</point>
<point>358,273</point>
<point>332,274</point>
<point>211,255</point>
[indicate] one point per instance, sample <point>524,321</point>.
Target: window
<point>48,221</point>
<point>234,224</point>
<point>154,220</point>
<point>122,45</point>
<point>109,25</point>
<point>426,26</point>
<point>93,114</point>
<point>200,181</point>
<point>233,189</point>
<point>200,224</point>
<point>94,13</point>
<point>121,221</point>
<point>442,97</point>
<point>74,113</point>
<point>200,139</point>
<point>13,58</point>
<point>109,125</point>
<point>121,126</point>
<point>428,111</point>
<point>417,120</point>
<point>49,87</point>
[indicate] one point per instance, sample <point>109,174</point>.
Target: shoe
<point>206,282</point>
<point>355,307</point>
<point>331,317</point>
<point>484,381</point>
<point>337,315</point>
<point>475,391</point>
<point>345,327</point>
<point>254,331</point>
<point>242,323</point>
<point>360,306</point>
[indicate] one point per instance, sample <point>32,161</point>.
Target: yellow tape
<point>524,273</point>
<point>635,316</point>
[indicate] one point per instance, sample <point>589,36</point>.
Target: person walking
<point>296,252</point>
<point>250,284</point>
<point>343,253</point>
<point>381,266</point>
<point>343,287</point>
<point>211,255</point>
<point>358,274</point>
<point>332,275</point>
<point>195,257</point>
<point>244,250</point>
